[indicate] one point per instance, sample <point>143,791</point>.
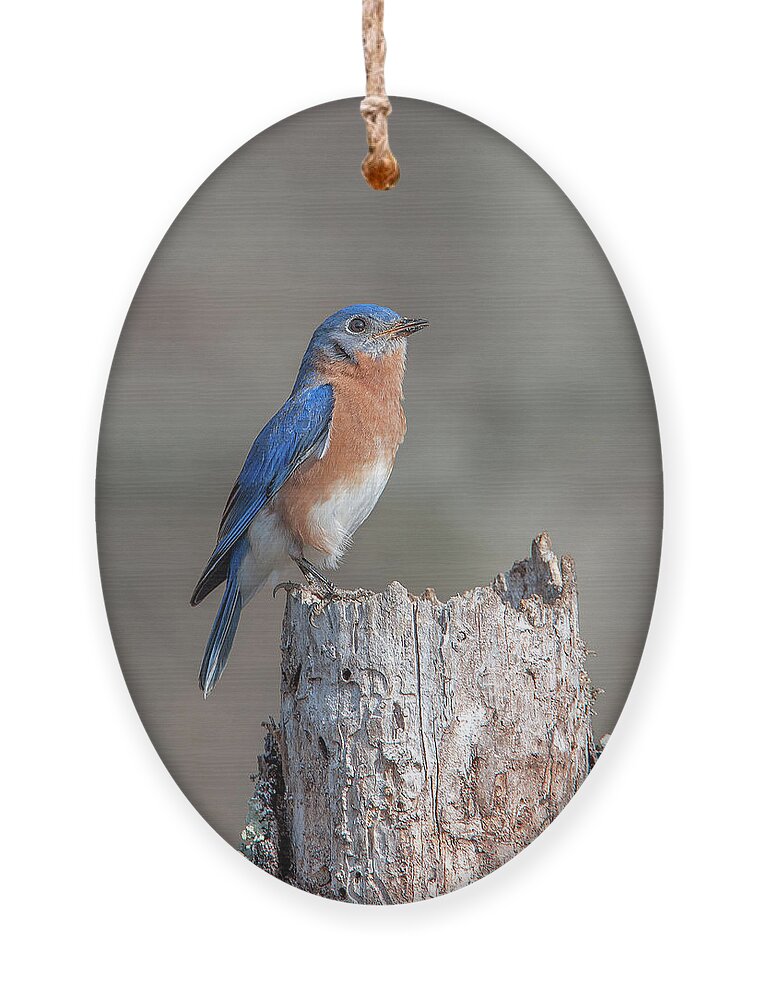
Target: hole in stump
<point>322,748</point>
<point>346,674</point>
<point>342,892</point>
<point>295,679</point>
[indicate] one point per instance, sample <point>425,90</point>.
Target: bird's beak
<point>406,327</point>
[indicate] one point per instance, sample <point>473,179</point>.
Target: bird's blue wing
<point>299,429</point>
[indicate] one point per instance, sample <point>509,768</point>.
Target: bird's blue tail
<point>222,634</point>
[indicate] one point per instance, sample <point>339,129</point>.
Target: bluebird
<point>315,471</point>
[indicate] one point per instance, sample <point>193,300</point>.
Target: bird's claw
<point>317,609</point>
<point>316,581</point>
<point>324,589</point>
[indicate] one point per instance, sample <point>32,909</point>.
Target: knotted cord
<point>380,168</point>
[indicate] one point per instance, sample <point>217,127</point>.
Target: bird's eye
<point>356,325</point>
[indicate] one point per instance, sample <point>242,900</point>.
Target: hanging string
<point>379,166</point>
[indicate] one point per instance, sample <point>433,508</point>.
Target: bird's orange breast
<point>367,428</point>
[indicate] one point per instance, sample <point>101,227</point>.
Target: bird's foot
<point>315,580</point>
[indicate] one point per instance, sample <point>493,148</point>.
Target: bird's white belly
<point>270,548</point>
<point>339,516</point>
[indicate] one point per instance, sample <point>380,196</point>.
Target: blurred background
<point>528,401</point>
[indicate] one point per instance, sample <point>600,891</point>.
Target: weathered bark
<point>422,744</point>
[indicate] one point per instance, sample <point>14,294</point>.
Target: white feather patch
<point>270,546</point>
<point>337,518</point>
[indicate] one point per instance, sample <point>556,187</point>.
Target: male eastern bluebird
<point>315,471</point>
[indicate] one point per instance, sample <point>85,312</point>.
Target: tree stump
<point>421,744</point>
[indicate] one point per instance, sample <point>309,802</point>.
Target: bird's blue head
<point>362,329</point>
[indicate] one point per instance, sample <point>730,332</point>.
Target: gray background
<point>528,401</point>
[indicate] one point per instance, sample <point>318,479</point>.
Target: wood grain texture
<point>422,745</point>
